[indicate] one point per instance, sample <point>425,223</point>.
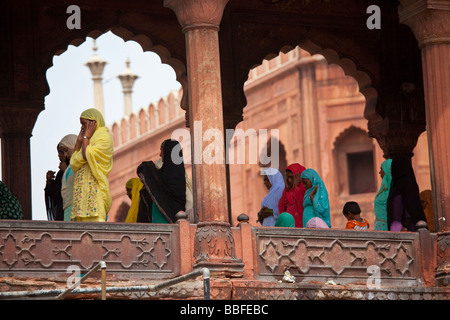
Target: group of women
<point>162,189</point>
<point>398,205</point>
<point>80,191</point>
<point>302,200</point>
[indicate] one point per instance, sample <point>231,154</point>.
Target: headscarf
<point>404,183</point>
<point>189,194</point>
<point>380,201</point>
<point>285,219</point>
<point>426,196</point>
<point>165,187</point>
<point>273,197</point>
<point>135,185</point>
<point>69,141</point>
<point>10,207</point>
<point>317,223</point>
<point>93,114</point>
<point>292,199</point>
<point>99,156</point>
<point>321,206</point>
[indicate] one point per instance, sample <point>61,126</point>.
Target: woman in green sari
<point>381,198</point>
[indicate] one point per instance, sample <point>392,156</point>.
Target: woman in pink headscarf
<point>292,199</point>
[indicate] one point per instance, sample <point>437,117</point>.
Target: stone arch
<point>124,130</point>
<point>133,122</point>
<point>162,110</point>
<point>351,144</point>
<point>125,34</point>
<point>349,67</point>
<point>152,117</point>
<point>143,126</point>
<point>116,134</point>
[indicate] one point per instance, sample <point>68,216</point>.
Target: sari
<point>380,201</point>
<point>135,185</point>
<point>189,194</point>
<point>271,200</point>
<point>91,195</point>
<point>69,142</point>
<point>320,206</point>
<point>403,205</point>
<point>163,193</point>
<point>291,200</point>
<point>10,207</point>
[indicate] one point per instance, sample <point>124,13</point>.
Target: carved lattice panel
<point>133,250</point>
<point>335,254</point>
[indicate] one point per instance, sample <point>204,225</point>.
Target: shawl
<point>165,187</point>
<point>404,184</point>
<point>92,197</point>
<point>189,194</point>
<point>292,200</point>
<point>380,201</point>
<point>320,207</point>
<point>427,201</point>
<point>69,142</point>
<point>273,197</point>
<point>10,207</point>
<point>285,219</point>
<point>135,185</point>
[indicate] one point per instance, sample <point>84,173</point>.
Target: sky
<point>71,92</point>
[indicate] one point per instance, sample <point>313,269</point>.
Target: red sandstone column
<point>16,125</point>
<point>214,244</point>
<point>430,22</point>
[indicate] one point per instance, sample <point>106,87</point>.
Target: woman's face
<point>84,123</point>
<point>267,182</point>
<point>289,179</point>
<point>306,183</point>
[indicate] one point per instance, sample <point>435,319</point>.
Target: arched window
<point>355,163</point>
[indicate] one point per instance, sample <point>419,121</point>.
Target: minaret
<point>96,65</point>
<point>127,78</point>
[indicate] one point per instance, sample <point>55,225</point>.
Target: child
<point>352,212</point>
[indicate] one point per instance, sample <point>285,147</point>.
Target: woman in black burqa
<point>164,192</point>
<point>404,209</point>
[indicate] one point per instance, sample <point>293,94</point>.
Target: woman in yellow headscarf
<point>91,163</point>
<point>133,186</point>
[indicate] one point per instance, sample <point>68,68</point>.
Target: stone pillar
<point>127,78</point>
<point>96,66</point>
<point>214,245</point>
<point>16,125</point>
<point>429,21</point>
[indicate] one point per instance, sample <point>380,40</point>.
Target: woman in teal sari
<point>315,202</point>
<point>379,204</point>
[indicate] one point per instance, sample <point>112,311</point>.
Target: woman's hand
<point>90,128</point>
<point>313,192</point>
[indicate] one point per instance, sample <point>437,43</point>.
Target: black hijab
<point>404,183</point>
<point>165,187</point>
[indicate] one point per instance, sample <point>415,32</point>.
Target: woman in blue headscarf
<point>274,182</point>
<point>380,202</point>
<point>315,202</point>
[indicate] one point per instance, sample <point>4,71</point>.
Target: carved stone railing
<point>39,248</point>
<point>343,256</point>
<point>162,251</point>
